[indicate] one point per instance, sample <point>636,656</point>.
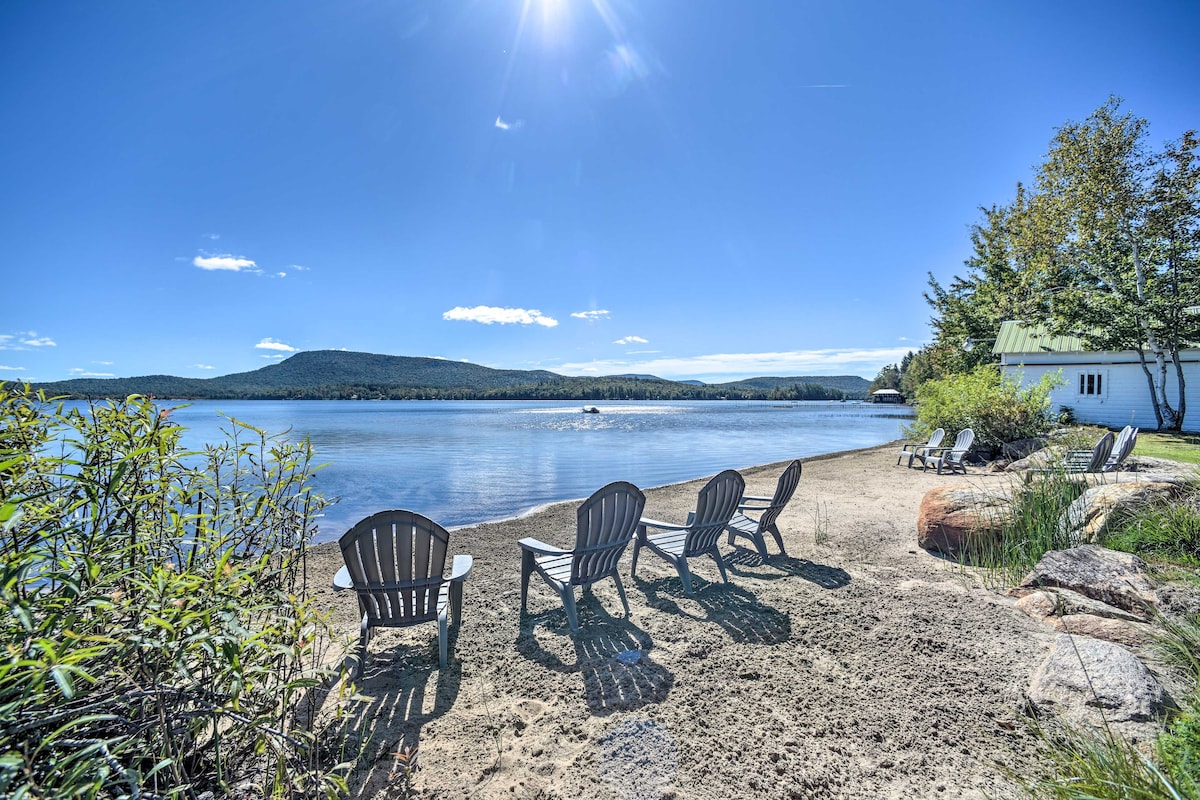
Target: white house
<point>1101,387</point>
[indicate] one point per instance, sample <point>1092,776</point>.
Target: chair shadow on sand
<point>400,682</point>
<point>780,566</point>
<point>738,612</point>
<point>611,655</point>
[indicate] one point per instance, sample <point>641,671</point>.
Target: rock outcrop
<point>1118,579</point>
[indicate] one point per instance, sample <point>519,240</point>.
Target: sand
<point>856,666</point>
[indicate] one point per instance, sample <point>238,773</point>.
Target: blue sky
<point>689,188</point>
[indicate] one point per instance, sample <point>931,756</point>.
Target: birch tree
<point>1117,233</point>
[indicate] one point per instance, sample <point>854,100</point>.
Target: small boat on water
<point>591,410</point>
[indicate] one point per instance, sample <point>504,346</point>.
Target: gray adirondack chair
<point>395,562</point>
<point>1122,447</point>
<point>753,529</point>
<point>1092,460</point>
<point>605,525</point>
<point>1080,461</point>
<point>950,457</point>
<point>916,450</point>
<point>715,507</point>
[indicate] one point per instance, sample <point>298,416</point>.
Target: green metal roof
<point>1015,337</point>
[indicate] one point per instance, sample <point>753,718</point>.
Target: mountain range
<point>338,374</point>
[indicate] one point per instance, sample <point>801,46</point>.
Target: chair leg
<point>774,529</point>
<point>716,556</point>
<point>732,535</point>
<point>684,575</point>
<point>443,641</point>
<point>568,598</point>
<point>637,549</point>
<point>760,544</point>
<point>526,569</point>
<point>621,593</point>
<point>456,589</point>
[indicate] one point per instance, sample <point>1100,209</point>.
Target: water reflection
<point>465,462</point>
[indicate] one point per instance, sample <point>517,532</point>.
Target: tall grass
<point>1162,532</point>
<point>1030,532</point>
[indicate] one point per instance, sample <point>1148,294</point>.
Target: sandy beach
<point>856,666</point>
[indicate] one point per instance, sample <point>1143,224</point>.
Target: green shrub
<point>155,637</point>
<point>993,406</point>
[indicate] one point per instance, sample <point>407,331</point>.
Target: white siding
<point>1125,395</point>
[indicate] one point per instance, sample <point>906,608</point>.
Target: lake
<point>462,462</point>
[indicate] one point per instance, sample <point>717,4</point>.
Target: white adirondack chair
<point>715,507</point>
<point>753,529</point>
<point>919,451</point>
<point>395,562</point>
<point>605,525</point>
<point>950,457</point>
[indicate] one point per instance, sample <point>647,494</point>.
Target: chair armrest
<point>752,507</point>
<point>342,580</point>
<point>541,548</point>
<point>461,568</point>
<point>754,498</point>
<point>654,523</point>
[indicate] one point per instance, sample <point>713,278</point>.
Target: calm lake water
<point>467,462</point>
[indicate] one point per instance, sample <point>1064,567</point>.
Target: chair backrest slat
<point>935,438</point>
<point>715,506</point>
<point>605,524</point>
<point>784,490</point>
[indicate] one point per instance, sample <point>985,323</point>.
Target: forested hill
<point>336,374</point>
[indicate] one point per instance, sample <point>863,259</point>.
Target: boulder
<point>1088,517</point>
<point>956,520</point>
<point>1118,579</point>
<point>1046,458</point>
<point>1021,448</point>
<point>1091,682</point>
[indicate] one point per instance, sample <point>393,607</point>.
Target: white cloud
<point>489,315</point>
<point>510,126</point>
<point>280,274</point>
<point>719,367</point>
<point>277,355</point>
<point>103,363</point>
<point>597,314</point>
<point>23,340</point>
<point>225,262</point>
<point>83,373</point>
<point>203,366</point>
<point>270,344</point>
<point>212,236</point>
<point>298,268</point>
<point>12,369</point>
<point>632,340</point>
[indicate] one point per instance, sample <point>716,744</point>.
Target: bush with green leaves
<point>996,407</point>
<point>156,637</point>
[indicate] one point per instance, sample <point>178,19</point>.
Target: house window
<point>1091,384</point>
